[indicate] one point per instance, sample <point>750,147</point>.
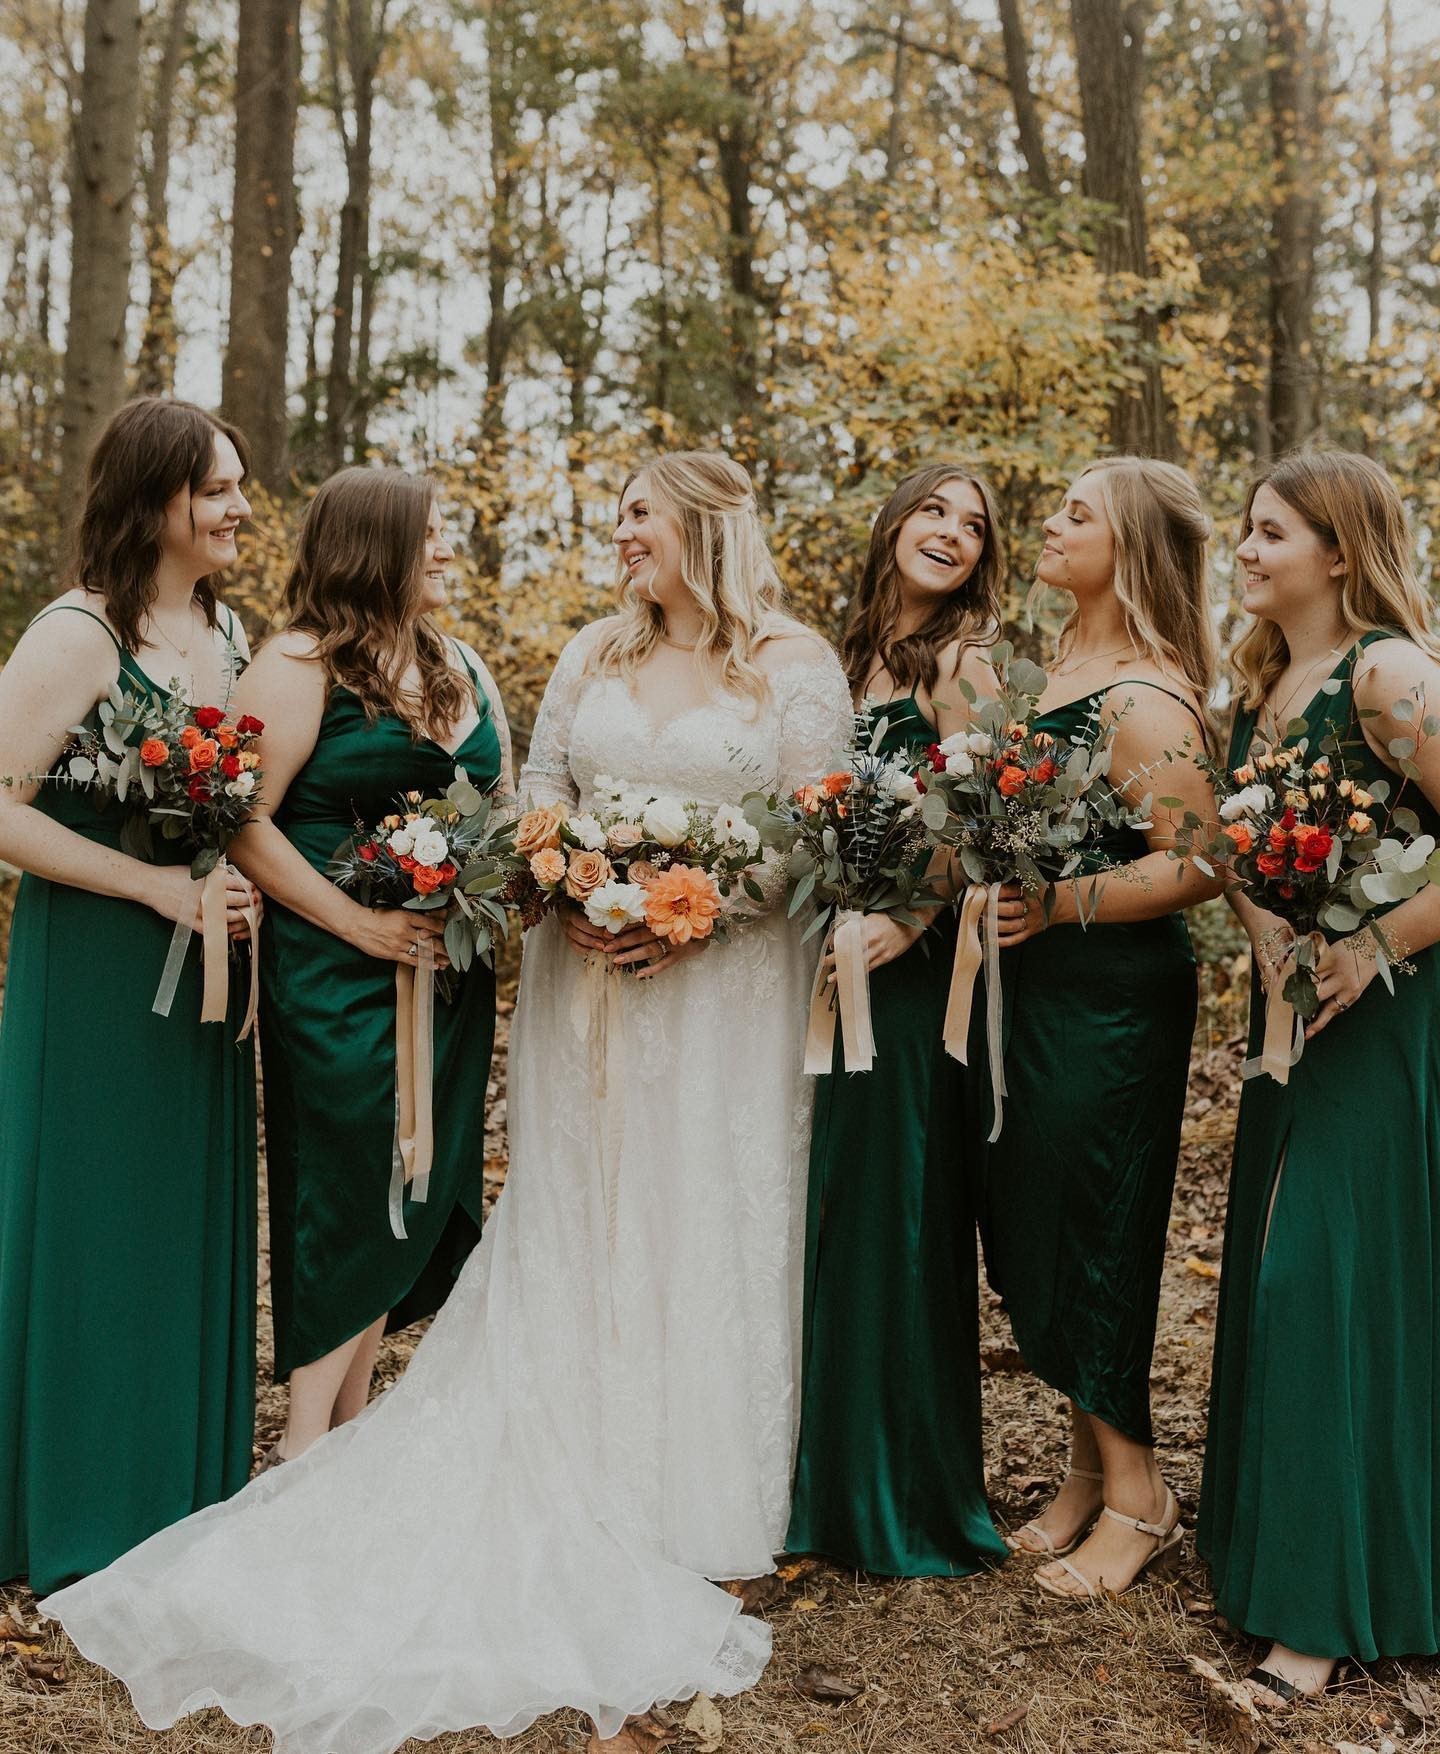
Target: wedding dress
<point>602,1416</point>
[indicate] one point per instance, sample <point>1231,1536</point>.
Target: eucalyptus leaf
<point>204,861</point>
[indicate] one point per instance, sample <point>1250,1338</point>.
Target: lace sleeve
<point>546,777</point>
<point>817,722</point>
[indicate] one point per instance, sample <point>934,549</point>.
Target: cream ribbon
<point>413,1151</point>
<point>593,1023</point>
<point>851,999</point>
<point>977,941</point>
<point>1284,1040</point>
<point>215,950</point>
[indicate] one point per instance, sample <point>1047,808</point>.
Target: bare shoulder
<point>289,642</point>
<point>287,659</point>
<point>1391,669</point>
<point>86,639</point>
<point>1162,704</point>
<point>962,662</point>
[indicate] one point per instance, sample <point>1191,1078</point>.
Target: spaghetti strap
<point>1140,682</point>
<point>78,609</point>
<point>482,698</point>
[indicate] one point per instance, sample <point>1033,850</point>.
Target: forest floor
<point>923,1666</point>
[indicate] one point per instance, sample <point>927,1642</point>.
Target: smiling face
<point>649,545</point>
<point>1284,560</point>
<point>436,555</point>
<point>1079,551</point>
<point>939,545</point>
<point>199,534</point>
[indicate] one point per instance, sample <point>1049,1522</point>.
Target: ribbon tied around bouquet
<point>977,941</point>
<point>1284,1040</point>
<point>413,1152</point>
<point>851,1000</point>
<point>214,956</point>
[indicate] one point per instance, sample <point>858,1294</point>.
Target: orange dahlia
<point>681,904</point>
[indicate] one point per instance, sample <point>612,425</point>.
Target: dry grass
<point>941,1666</point>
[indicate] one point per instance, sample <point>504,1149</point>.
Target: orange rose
<point>153,752</point>
<point>835,783</point>
<point>642,872</point>
<point>587,871</point>
<point>189,737</point>
<point>808,798</point>
<point>1010,779</point>
<point>1271,864</point>
<point>539,828</point>
<point>624,835</point>
<point>1238,832</point>
<point>249,761</point>
<point>426,879</point>
<point>547,867</point>
<point>1360,822</point>
<point>203,755</point>
<point>682,904</point>
<point>226,738</point>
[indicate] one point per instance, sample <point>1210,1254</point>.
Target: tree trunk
<point>353,54</point>
<point>263,231</point>
<point>735,147</point>
<point>894,134</point>
<point>155,367</point>
<point>102,187</point>
<point>1022,95</point>
<point>1380,176</point>
<point>501,28</point>
<point>1293,224</point>
<point>1110,62</point>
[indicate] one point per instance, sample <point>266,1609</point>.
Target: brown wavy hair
<point>1352,505</point>
<point>150,450</point>
<point>971,612</point>
<point>355,586</point>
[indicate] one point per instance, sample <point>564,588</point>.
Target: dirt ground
<point>863,1664</point>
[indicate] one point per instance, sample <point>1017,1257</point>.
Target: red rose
<point>249,726</point>
<point>1045,772</point>
<point>369,852</point>
<point>230,766</point>
<point>1321,843</point>
<point>208,717</point>
<point>449,872</point>
<point>1287,821</point>
<point>199,789</point>
<point>405,862</point>
<point>1271,864</point>
<point>935,755</point>
<point>1287,890</point>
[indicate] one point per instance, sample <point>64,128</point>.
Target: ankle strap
<point>1158,1530</point>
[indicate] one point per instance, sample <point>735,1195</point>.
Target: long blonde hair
<point>1351,504</point>
<point>1161,578</point>
<point>725,563</point>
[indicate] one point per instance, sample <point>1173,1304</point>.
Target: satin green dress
<point>1074,1196</point>
<point>327,1050</point>
<point>127,1223</point>
<point>890,1477</point>
<point>1320,1504</point>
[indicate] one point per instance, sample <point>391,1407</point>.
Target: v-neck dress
<point>890,1476</point>
<point>1074,1196</point>
<point>327,1052</point>
<point>1320,1508</point>
<point>127,1221</point>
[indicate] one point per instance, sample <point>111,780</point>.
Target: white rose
<point>901,786</point>
<point>1255,798</point>
<point>954,743</point>
<point>615,906</point>
<point>430,848</point>
<point>587,831</point>
<point>241,786</point>
<point>666,820</point>
<point>959,761</point>
<point>401,841</point>
<point>980,743</point>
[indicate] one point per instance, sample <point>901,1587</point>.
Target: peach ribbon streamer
<point>977,941</point>
<point>214,949</point>
<point>1284,1040</point>
<point>414,1148</point>
<point>591,1019</point>
<point>851,1000</point>
<point>252,1006</point>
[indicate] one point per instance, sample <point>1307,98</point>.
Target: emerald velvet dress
<point>127,1223</point>
<point>1321,1498</point>
<point>890,1477</point>
<point>327,1048</point>
<point>1074,1196</point>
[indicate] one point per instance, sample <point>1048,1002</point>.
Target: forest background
<point>522,244</point>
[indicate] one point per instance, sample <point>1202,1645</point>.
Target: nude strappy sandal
<point>1049,1549</point>
<point>1167,1533</point>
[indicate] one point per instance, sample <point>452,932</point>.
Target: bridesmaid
<point>889,1477</point>
<point>1076,1192</point>
<point>127,1140</point>
<point>363,698</point>
<point>1321,1493</point>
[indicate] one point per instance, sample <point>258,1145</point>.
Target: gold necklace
<point>1094,658</point>
<point>1275,720</point>
<point>157,626</point>
<point>679,644</point>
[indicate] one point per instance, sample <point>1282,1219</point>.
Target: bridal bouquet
<point>452,855</point>
<point>854,844</point>
<point>1015,806</point>
<point>1305,841</point>
<point>637,857</point>
<point>194,775</point>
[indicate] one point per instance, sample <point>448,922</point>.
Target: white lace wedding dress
<point>602,1415</point>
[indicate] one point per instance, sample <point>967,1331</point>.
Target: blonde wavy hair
<point>725,563</point>
<point>1352,505</point>
<point>1162,556</point>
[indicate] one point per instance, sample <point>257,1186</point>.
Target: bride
<point>602,1415</point>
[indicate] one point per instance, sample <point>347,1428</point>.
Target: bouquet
<point>638,858</point>
<point>450,855</point>
<point>1015,806</point>
<point>1303,839</point>
<point>194,775</point>
<point>854,844</point>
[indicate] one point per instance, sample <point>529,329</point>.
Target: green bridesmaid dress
<point>127,1224</point>
<point>1074,1196</point>
<point>889,1476</point>
<point>1320,1504</point>
<point>327,1049</point>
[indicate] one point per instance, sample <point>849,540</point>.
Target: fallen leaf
<point>1201,1269</point>
<point>1029,1482</point>
<point>1102,1674</point>
<point>817,1683</point>
<point>1354,1748</point>
<point>1002,1361</point>
<point>703,1721</point>
<point>1242,1715</point>
<point>1007,1721</point>
<point>806,1605</point>
<point>15,1634</point>
<point>47,1671</point>
<point>796,1568</point>
<point>813,1729</point>
<point>755,1592</point>
<point>1416,1697</point>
